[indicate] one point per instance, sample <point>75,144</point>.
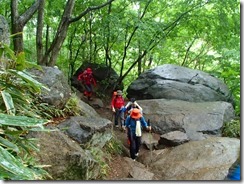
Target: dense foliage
<point>18,89</point>
<point>133,36</point>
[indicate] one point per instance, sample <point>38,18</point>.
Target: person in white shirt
<point>132,104</point>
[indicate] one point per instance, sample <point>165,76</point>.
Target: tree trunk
<point>39,45</point>
<point>19,21</point>
<point>51,54</point>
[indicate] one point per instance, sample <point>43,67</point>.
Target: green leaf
<point>15,167</point>
<point>21,121</point>
<point>10,52</point>
<point>26,77</point>
<point>8,101</point>
<point>8,144</point>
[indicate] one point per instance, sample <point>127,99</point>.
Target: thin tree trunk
<point>39,45</point>
<point>19,21</point>
<point>51,54</point>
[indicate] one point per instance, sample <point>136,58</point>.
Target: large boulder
<point>197,120</point>
<point>176,82</point>
<point>55,80</point>
<point>4,31</point>
<point>4,39</point>
<point>64,158</point>
<point>81,128</point>
<point>209,159</point>
<point>105,76</point>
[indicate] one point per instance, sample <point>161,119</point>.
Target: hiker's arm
<point>127,105</point>
<point>112,105</point>
<point>139,107</point>
<point>127,121</point>
<point>80,76</point>
<point>94,81</point>
<point>145,124</point>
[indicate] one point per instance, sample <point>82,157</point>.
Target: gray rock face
<point>55,80</point>
<point>66,159</point>
<point>4,31</point>
<point>82,128</point>
<point>4,39</point>
<point>197,120</point>
<point>149,140</point>
<point>138,171</point>
<point>208,159</point>
<point>174,138</point>
<point>175,82</point>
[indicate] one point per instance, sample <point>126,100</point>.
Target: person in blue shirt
<point>134,123</point>
<point>234,171</point>
<point>235,174</point>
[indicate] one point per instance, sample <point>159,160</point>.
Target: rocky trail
<point>119,167</point>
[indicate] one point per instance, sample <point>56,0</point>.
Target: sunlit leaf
<point>8,101</point>
<point>9,145</point>
<point>21,121</point>
<point>26,77</point>
<point>14,166</point>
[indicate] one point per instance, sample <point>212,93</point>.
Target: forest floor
<point>116,167</point>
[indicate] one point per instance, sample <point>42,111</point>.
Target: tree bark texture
<point>19,21</point>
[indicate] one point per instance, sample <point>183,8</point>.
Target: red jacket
<point>87,78</point>
<point>118,102</point>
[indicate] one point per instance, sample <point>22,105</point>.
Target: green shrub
<point>18,90</point>
<point>232,129</point>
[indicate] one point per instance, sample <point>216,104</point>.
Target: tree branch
<point>88,10</point>
<point>26,16</point>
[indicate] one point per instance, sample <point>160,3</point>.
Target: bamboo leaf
<point>26,77</point>
<point>21,121</point>
<point>8,144</point>
<point>9,51</point>
<point>11,165</point>
<point>8,101</point>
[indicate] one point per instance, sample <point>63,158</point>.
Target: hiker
<point>118,108</point>
<point>234,172</point>
<point>87,80</point>
<point>134,123</point>
<point>132,104</point>
<point>114,95</point>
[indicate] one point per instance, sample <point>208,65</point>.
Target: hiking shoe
<point>136,154</point>
<point>134,159</point>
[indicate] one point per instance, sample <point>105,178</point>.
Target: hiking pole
<point>150,139</point>
<point>112,121</point>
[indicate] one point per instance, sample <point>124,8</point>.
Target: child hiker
<point>133,124</point>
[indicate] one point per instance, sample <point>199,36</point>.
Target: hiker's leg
<point>85,93</point>
<point>138,144</point>
<point>116,118</point>
<point>122,118</point>
<point>132,147</point>
<point>89,95</point>
<point>88,91</point>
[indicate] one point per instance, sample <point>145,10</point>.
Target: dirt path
<point>117,167</point>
